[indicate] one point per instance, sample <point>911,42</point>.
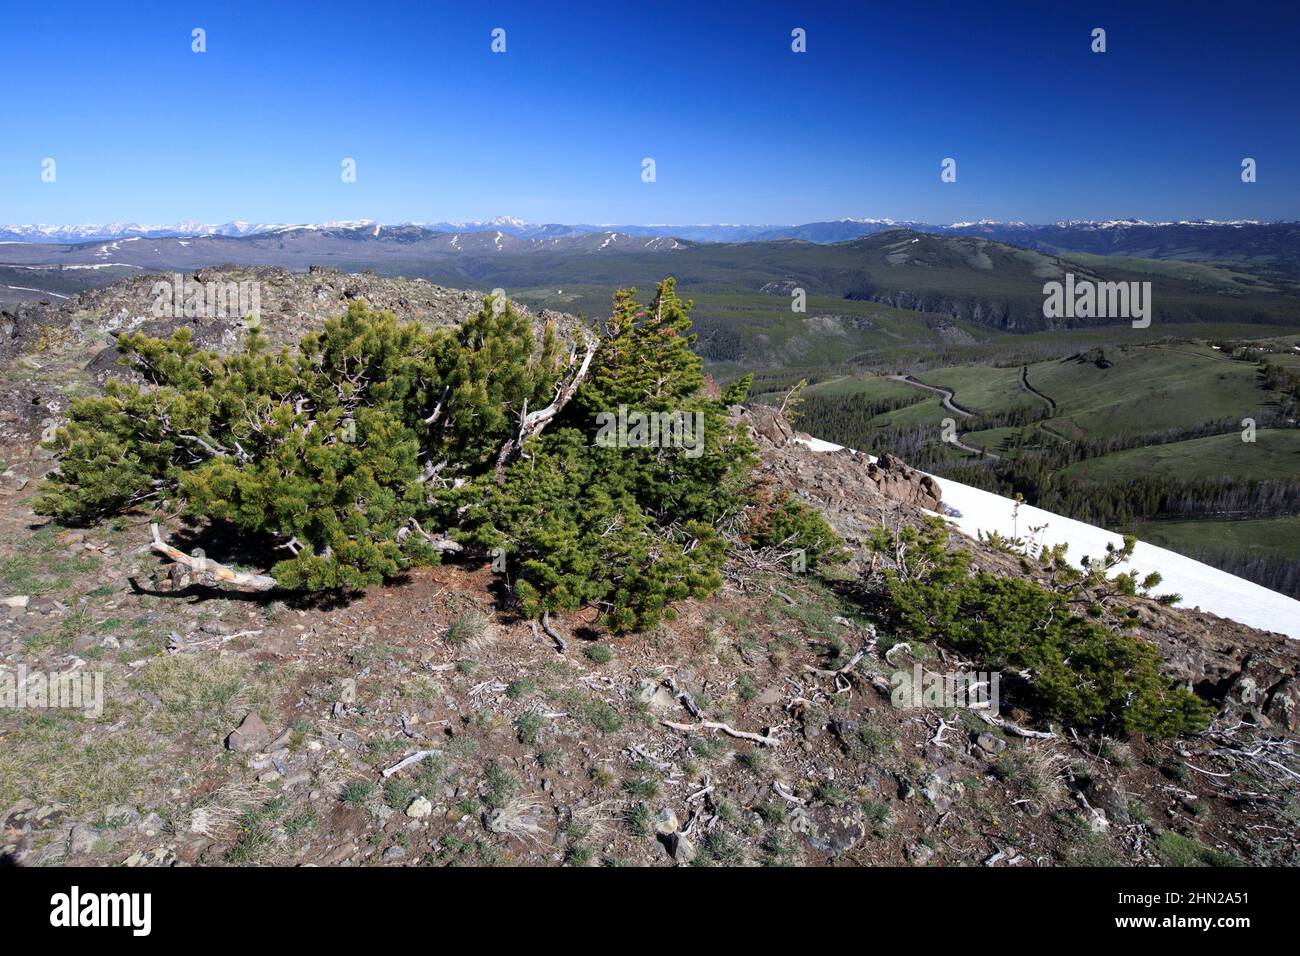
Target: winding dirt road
<point>1024,383</point>
<point>949,402</point>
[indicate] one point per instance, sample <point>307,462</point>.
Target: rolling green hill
<point>1275,453</point>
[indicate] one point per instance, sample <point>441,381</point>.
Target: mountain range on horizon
<point>822,231</point>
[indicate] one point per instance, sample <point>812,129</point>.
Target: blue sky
<point>741,128</point>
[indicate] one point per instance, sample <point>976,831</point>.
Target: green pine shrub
<point>793,526</point>
<point>359,454</point>
<point>1081,671</point>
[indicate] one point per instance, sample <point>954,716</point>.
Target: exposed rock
<point>251,734</point>
<point>348,691</point>
<point>920,854</point>
<point>419,808</point>
<point>121,815</point>
<point>657,696</point>
<point>31,817</point>
<point>894,479</point>
<point>831,829</point>
<point>681,849</point>
<point>846,730</point>
<point>941,789</point>
<point>666,821</point>
<point>82,839</point>
<point>1111,799</point>
<point>158,856</point>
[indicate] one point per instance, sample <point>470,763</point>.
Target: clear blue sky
<point>741,128</point>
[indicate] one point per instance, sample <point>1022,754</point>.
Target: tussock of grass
<point>203,696</point>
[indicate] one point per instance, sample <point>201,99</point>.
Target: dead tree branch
<point>203,566</point>
<point>768,740</point>
<point>553,634</point>
<point>532,423</point>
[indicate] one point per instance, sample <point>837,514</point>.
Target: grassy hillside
<point>1278,537</point>
<point>1095,394</point>
<point>1275,453</point>
<point>923,294</point>
<point>1149,388</point>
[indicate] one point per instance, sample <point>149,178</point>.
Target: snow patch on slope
<point>1200,585</point>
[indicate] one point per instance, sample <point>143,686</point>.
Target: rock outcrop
<point>842,474</point>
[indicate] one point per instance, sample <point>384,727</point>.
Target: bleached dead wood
<point>201,566</point>
<point>786,795</point>
<point>177,644</point>
<point>937,739</point>
<point>662,766</point>
<point>437,409</point>
<point>532,423</point>
<point>897,647</point>
<point>767,741</point>
<point>407,761</point>
<point>1011,728</point>
<point>441,545</point>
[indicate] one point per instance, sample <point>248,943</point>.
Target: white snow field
<point>1201,586</point>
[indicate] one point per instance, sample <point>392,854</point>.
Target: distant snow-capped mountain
<point>130,230</point>
<point>1236,240</point>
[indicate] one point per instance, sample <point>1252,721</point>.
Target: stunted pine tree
<point>642,507</point>
<point>378,444</point>
<point>329,451</point>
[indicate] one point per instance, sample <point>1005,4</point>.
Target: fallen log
<point>202,566</point>
<point>1011,728</point>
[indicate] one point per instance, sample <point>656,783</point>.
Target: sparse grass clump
<point>256,836</point>
<point>721,848</point>
<point>638,820</point>
<point>1036,770</point>
<point>746,688</point>
<point>466,627</point>
<point>201,695</point>
<point>877,815</point>
<point>502,787</point>
<point>646,787</point>
<point>399,792</point>
<point>756,760</point>
<point>595,711</point>
<point>1177,850</point>
<point>518,689</point>
<point>598,653</point>
<point>357,792</point>
<point>832,792</point>
<point>528,727</point>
